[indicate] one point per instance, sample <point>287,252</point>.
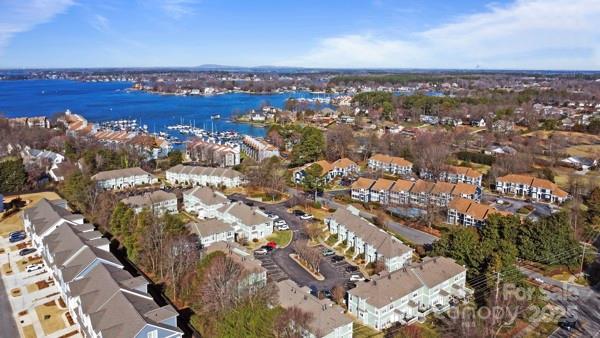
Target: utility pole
<point>583,256</point>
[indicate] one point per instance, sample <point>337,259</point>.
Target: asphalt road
<point>7,321</point>
<point>539,209</point>
<point>334,273</point>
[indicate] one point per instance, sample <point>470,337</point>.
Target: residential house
<point>421,192</point>
<point>211,231</point>
<point>366,239</point>
<point>123,178</point>
<point>204,201</point>
<point>341,168</point>
<point>409,294</point>
<point>480,123</point>
<point>327,319</point>
<point>390,164</point>
<point>361,189</point>
<point>204,176</point>
<point>400,192</point>
<point>455,174</point>
<point>249,223</point>
<point>529,186</point>
<point>470,213</point>
<point>159,202</point>
<point>258,149</point>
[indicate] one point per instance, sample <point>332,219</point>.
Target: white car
<point>539,280</point>
<point>306,216</point>
<point>356,278</point>
<point>283,227</point>
<point>280,223</point>
<point>261,251</point>
<point>34,267</point>
<point>272,216</point>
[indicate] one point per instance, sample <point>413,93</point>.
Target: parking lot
<point>274,272</point>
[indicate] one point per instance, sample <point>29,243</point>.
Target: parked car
<point>349,285</point>
<point>313,290</point>
<point>327,252</point>
<point>306,216</point>
<point>261,251</point>
<point>327,294</point>
<point>280,222</point>
<point>268,248</point>
<point>272,216</point>
<point>27,251</point>
<point>34,267</point>
<point>283,227</point>
<point>568,322</point>
<point>539,280</point>
<point>337,258</point>
<point>16,239</point>
<point>298,212</point>
<point>271,245</point>
<point>356,278</point>
<point>250,204</point>
<point>351,268</point>
<point>14,233</point>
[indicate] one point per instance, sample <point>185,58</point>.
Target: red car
<point>271,245</point>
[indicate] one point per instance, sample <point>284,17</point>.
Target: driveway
<point>514,204</point>
<point>7,321</point>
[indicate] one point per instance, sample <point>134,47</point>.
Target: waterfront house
<point>327,320</point>
<point>123,178</point>
<point>211,231</point>
<point>203,201</point>
<point>409,294</point>
<point>158,202</point>
<point>222,155</point>
<point>365,239</point>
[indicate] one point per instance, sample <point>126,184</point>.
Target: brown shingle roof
<point>464,189</point>
<point>382,184</point>
<point>402,186</point>
<point>363,183</point>
<point>344,163</point>
<point>422,187</point>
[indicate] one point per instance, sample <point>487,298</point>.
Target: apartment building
<point>390,164</point>
<point>223,155</point>
<point>203,201</point>
<point>343,167</point>
<point>249,223</point>
<point>258,149</point>
<point>204,176</point>
<point>211,231</point>
<point>361,189</point>
<point>123,178</point>
<point>419,193</point>
<point>327,320</point>
<point>367,239</point>
<point>528,186</point>
<point>455,174</point>
<point>409,294</point>
<point>102,298</point>
<point>159,202</point>
<point>470,213</point>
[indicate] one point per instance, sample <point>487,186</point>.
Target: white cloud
<point>178,8</point>
<point>100,23</point>
<point>21,16</point>
<point>528,34</point>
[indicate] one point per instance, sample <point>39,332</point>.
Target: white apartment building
<point>361,189</point>
<point>368,240</point>
<point>123,178</point>
<point>249,223</point>
<point>533,187</point>
<point>470,213</point>
<point>390,164</point>
<point>159,202</point>
<point>211,231</point>
<point>258,149</point>
<point>409,294</point>
<point>223,155</point>
<point>204,201</point>
<point>204,176</point>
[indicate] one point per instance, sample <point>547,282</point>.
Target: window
<point>153,334</point>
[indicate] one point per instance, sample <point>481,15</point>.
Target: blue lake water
<point>103,101</point>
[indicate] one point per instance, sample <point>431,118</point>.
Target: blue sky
<point>516,34</point>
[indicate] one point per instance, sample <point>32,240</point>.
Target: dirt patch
<point>6,269</point>
<point>29,331</point>
<point>51,317</point>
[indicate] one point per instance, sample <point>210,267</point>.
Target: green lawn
<point>363,331</point>
<point>282,238</point>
